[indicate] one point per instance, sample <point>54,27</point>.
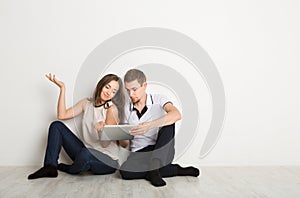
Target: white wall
<point>254,44</point>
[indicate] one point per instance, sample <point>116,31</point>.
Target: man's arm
<point>172,116</point>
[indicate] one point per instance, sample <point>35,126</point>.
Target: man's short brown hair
<point>135,74</point>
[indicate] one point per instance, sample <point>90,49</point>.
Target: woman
<point>90,153</point>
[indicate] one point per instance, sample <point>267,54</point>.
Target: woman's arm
<point>62,112</point>
<point>112,119</point>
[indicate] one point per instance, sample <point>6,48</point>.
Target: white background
<point>254,44</point>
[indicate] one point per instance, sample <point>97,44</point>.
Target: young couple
<point>152,149</point>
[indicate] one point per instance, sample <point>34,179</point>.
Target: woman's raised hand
<point>60,84</point>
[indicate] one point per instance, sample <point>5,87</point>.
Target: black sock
<point>46,171</point>
<point>188,171</point>
<point>155,178</point>
<point>63,167</point>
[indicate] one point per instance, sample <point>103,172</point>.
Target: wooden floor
<point>283,182</point>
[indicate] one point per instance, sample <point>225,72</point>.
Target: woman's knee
<point>56,125</point>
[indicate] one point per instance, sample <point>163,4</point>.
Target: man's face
<point>135,90</point>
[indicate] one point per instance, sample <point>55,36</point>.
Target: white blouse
<point>90,136</point>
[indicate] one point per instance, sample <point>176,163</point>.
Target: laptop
<point>116,132</point>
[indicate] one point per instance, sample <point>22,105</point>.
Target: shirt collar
<point>149,102</point>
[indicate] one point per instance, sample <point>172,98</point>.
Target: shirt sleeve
<point>162,100</point>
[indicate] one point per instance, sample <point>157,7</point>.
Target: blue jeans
<point>84,159</point>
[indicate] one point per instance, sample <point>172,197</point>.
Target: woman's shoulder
<point>111,106</point>
<point>110,103</point>
<point>85,102</point>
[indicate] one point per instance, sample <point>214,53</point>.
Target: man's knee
<point>170,127</point>
<point>168,131</point>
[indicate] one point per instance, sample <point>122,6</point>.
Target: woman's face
<point>109,91</point>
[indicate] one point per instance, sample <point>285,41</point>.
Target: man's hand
<point>141,129</point>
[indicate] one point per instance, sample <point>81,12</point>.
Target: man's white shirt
<point>155,110</point>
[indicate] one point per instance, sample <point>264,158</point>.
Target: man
<point>153,144</point>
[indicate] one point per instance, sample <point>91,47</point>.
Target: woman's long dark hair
<point>118,99</point>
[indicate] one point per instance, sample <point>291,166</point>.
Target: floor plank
<point>213,182</point>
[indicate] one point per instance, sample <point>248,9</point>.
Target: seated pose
<point>90,153</point>
<point>152,149</point>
